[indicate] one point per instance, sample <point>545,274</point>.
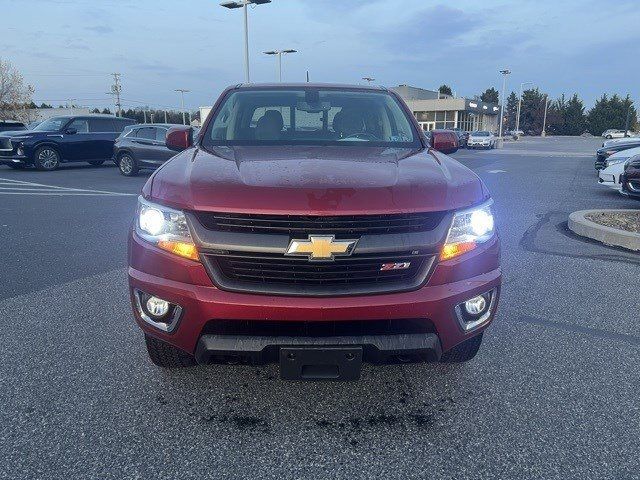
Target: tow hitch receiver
<point>320,363</point>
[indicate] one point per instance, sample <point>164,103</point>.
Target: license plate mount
<point>321,363</point>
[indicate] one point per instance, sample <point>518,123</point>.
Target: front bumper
<point>187,284</point>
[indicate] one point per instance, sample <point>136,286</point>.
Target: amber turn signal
<point>183,249</point>
<point>452,250</point>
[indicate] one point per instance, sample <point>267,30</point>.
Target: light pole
<point>369,79</point>
<point>504,73</point>
<point>279,53</point>
<point>544,121</point>
<point>520,104</point>
<point>182,92</point>
<point>243,4</point>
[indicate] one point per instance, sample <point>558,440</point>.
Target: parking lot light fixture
<point>243,4</point>
<point>520,104</point>
<point>279,54</point>
<point>182,92</point>
<point>504,73</point>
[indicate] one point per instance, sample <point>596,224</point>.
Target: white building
<point>435,110</point>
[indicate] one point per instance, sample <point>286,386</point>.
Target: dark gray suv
<point>141,146</point>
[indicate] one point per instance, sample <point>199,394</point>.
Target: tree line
<point>151,115</point>
<point>565,116</point>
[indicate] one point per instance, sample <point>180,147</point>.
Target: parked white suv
<point>614,133</point>
<point>481,139</point>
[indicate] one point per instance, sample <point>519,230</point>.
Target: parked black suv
<point>142,146</point>
<point>83,138</point>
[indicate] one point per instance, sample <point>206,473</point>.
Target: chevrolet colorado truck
<point>312,225</point>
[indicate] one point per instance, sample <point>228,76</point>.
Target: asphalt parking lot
<point>553,392</point>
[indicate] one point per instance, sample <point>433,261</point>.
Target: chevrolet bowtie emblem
<point>321,247</point>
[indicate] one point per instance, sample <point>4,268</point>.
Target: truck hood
<point>314,180</point>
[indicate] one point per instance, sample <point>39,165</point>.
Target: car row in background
<point>612,147</point>
<point>86,138</point>
<point>621,170</point>
<point>449,141</point>
<point>481,139</point>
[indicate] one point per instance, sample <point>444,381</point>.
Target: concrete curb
<point>579,225</point>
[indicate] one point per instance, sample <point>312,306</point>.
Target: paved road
<point>552,394</point>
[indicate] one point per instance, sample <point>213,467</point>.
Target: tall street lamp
<point>520,104</point>
<point>243,4</point>
<point>504,73</point>
<point>279,53</point>
<point>182,92</point>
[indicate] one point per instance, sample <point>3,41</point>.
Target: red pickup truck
<point>313,226</point>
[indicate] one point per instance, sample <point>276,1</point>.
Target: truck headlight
<point>469,228</point>
<point>166,228</point>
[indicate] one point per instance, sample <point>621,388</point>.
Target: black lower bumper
<point>316,358</point>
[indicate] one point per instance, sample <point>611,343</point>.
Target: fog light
<point>476,311</point>
<point>476,305</point>
<point>158,307</point>
<point>157,312</point>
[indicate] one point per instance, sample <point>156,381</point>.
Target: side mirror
<point>444,143</point>
<point>179,138</point>
<point>71,131</point>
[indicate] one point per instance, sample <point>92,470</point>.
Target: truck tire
<point>167,356</point>
<point>464,351</point>
<point>46,158</point>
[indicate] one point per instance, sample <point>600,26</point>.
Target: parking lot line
<point>18,187</point>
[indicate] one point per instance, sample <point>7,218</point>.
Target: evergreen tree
<point>445,89</point>
<point>511,111</point>
<point>575,120</point>
<point>490,95</point>
<point>532,111</point>
<point>611,113</point>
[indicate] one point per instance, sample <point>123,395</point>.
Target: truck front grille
<point>336,225</point>
<point>357,274</point>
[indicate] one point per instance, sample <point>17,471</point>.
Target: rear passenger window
<point>148,133</point>
<point>80,125</point>
<point>161,134</point>
<point>101,125</point>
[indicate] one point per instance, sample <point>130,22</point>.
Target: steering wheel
<point>366,135</point>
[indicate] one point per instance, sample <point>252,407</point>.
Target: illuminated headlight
<point>166,228</point>
<point>469,228</point>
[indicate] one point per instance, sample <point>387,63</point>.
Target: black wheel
<point>609,137</point>
<point>127,165</point>
<point>16,166</point>
<point>46,158</point>
<point>95,163</point>
<point>464,351</point>
<point>167,356</point>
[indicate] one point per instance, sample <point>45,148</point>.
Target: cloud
<point>100,29</point>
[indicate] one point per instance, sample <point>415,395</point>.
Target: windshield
<point>480,134</point>
<point>51,125</point>
<point>310,116</point>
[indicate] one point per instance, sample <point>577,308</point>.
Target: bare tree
<point>14,94</point>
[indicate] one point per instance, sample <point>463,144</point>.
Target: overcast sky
<point>67,48</point>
